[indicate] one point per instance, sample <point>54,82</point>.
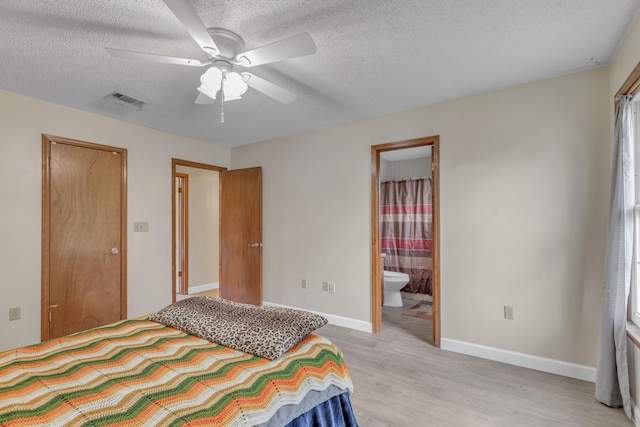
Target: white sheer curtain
<point>612,378</point>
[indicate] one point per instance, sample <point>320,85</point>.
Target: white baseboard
<point>553,366</point>
<point>346,322</point>
<point>202,288</point>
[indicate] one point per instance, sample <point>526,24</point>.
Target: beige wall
<point>523,213</point>
<point>22,121</point>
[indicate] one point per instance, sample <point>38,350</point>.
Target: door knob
<point>114,251</point>
<point>256,245</point>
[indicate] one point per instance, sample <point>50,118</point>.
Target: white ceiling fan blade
<point>204,99</point>
<point>187,15</point>
<point>292,47</point>
<point>152,57</point>
<point>274,91</point>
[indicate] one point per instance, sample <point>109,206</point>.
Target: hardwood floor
<point>401,380</point>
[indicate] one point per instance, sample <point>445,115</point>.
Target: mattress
<point>139,372</point>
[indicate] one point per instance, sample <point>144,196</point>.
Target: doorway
<point>239,227</point>
<point>377,262</point>
<point>84,235</point>
<point>196,227</point>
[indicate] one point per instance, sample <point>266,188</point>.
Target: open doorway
<point>196,228</point>
<point>423,278</point>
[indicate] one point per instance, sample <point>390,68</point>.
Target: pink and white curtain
<point>406,236</point>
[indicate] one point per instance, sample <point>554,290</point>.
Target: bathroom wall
<point>405,169</point>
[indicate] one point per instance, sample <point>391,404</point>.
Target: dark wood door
<point>83,252</point>
<point>241,235</point>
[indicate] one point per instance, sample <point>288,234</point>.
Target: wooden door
<point>84,234</point>
<point>241,235</point>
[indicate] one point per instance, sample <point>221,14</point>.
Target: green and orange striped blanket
<point>137,372</point>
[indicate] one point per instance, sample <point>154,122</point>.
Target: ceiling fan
<point>224,51</point>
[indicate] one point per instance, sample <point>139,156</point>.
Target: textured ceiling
<point>373,56</point>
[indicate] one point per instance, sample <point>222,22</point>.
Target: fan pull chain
<point>224,77</point>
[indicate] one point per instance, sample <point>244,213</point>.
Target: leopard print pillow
<point>264,331</point>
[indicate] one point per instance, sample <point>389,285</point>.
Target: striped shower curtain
<point>407,231</point>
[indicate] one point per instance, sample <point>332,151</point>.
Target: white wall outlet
<point>14,313</point>
<point>304,283</point>
<point>332,288</point>
<point>141,227</point>
<point>508,312</point>
<point>325,286</point>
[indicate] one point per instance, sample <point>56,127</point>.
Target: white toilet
<point>393,282</point>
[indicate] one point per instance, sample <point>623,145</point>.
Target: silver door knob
<point>256,245</point>
<point>114,251</point>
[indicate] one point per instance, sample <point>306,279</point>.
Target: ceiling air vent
<point>126,100</point>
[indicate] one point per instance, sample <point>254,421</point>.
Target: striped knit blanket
<point>137,372</point>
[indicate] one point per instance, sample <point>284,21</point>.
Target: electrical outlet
<point>140,227</point>
<point>304,283</point>
<point>325,286</point>
<point>14,313</point>
<point>332,288</point>
<point>508,312</point>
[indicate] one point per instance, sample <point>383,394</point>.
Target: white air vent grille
<point>126,100</point>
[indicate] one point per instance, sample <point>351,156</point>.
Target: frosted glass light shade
<point>212,80</point>
<point>234,86</point>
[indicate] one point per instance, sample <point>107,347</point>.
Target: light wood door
<point>84,233</point>
<point>241,235</point>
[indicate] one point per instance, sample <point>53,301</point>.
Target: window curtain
<point>612,377</point>
<point>406,236</point>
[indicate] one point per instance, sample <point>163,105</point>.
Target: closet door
<point>84,234</point>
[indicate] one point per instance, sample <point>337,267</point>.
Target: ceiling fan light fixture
<point>234,86</point>
<point>211,82</point>
<point>230,81</point>
<point>225,49</point>
<point>203,90</point>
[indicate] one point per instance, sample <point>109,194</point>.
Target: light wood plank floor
<point>402,380</point>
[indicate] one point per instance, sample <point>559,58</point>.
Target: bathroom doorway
<point>402,161</point>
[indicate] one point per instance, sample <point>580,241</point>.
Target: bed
<point>145,371</point>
